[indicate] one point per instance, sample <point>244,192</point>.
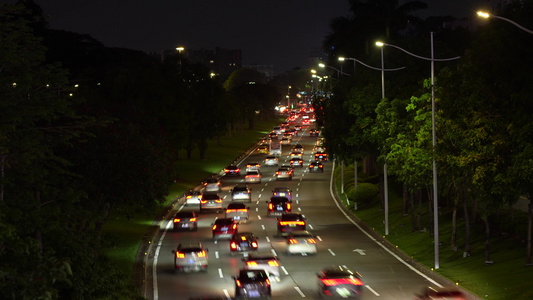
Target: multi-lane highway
<point>340,242</point>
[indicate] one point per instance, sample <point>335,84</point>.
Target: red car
<point>224,228</point>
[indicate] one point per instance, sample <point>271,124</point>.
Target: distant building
<point>268,70</point>
<point>220,61</point>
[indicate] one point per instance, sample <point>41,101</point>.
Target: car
<point>339,281</point>
<point>282,192</point>
<point>278,205</point>
<point>212,184</point>
<point>298,148</point>
<point>190,257</point>
<point>296,154</point>
<point>443,293</point>
<point>241,192</point>
<point>243,242</point>
<point>306,122</point>
<point>224,228</point>
<point>252,284</point>
<point>272,135</point>
<point>193,197</point>
<point>267,262</point>
<point>316,166</point>
<point>297,162</point>
<point>313,132</point>
<point>253,177</point>
<point>262,149</point>
<point>301,242</point>
<point>293,132</point>
<point>185,220</point>
<point>210,201</point>
<point>319,149</point>
<point>287,135</point>
<point>284,173</point>
<point>253,166</point>
<point>321,156</point>
<point>298,127</point>
<point>289,222</point>
<point>232,170</point>
<point>319,141</point>
<point>285,141</point>
<point>277,130</point>
<point>271,160</point>
<point>238,211</point>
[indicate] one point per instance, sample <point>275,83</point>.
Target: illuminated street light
<point>435,196</point>
<point>487,15</point>
<point>326,66</point>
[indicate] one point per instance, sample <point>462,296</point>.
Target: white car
<point>238,211</point>
<point>190,257</point>
<point>271,160</point>
<point>253,177</point>
<point>301,242</point>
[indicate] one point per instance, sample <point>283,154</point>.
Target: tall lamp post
<point>435,196</point>
<point>487,15</point>
<point>385,181</point>
<point>179,49</point>
<point>338,71</point>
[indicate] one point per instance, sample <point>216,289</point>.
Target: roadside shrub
<point>365,193</point>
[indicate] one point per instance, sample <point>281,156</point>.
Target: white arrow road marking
<point>360,251</point>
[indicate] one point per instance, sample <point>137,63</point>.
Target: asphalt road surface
<point>340,242</point>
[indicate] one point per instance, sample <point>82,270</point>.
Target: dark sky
<point>277,32</point>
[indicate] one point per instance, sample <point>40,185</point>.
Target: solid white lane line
<point>299,291</point>
<point>372,290</point>
<point>220,273</point>
<point>274,252</point>
<point>216,254</point>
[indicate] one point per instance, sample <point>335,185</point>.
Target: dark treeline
<point>87,131</point>
<point>484,105</point>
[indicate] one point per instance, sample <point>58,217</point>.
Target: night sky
<point>278,32</point>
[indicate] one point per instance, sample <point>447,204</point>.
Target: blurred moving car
<point>321,156</point>
<point>253,177</point>
<point>289,222</point>
<point>190,257</point>
<point>193,197</point>
<point>224,228</point>
<point>263,149</point>
<point>252,284</point>
<point>301,242</point>
<point>298,148</point>
<point>241,192</point>
<point>282,192</point>
<point>210,201</point>
<point>285,141</point>
<point>243,242</point>
<point>267,262</point>
<point>185,220</point>
<point>271,160</point>
<point>238,211</point>
<point>339,281</point>
<point>444,293</point>
<point>297,162</point>
<point>232,170</point>
<point>212,184</point>
<point>253,166</point>
<point>296,154</point>
<point>316,166</point>
<point>284,173</point>
<point>278,205</point>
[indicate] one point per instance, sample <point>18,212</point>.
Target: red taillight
<point>273,263</point>
<point>311,241</point>
<point>288,206</point>
<point>233,245</point>
<point>293,241</point>
<point>338,281</point>
<point>234,226</point>
<point>193,220</point>
<point>254,244</point>
<point>251,263</point>
<point>203,201</point>
<point>201,254</point>
<point>238,282</point>
<point>230,210</point>
<point>277,173</point>
<point>218,201</point>
<point>177,220</point>
<point>214,227</point>
<point>292,222</point>
<point>180,255</point>
<point>243,238</point>
<point>226,170</point>
<point>268,282</point>
<point>270,206</point>
<point>189,196</point>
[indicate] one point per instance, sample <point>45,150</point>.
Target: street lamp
<point>179,49</point>
<point>487,15</point>
<point>324,66</point>
<point>435,196</point>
